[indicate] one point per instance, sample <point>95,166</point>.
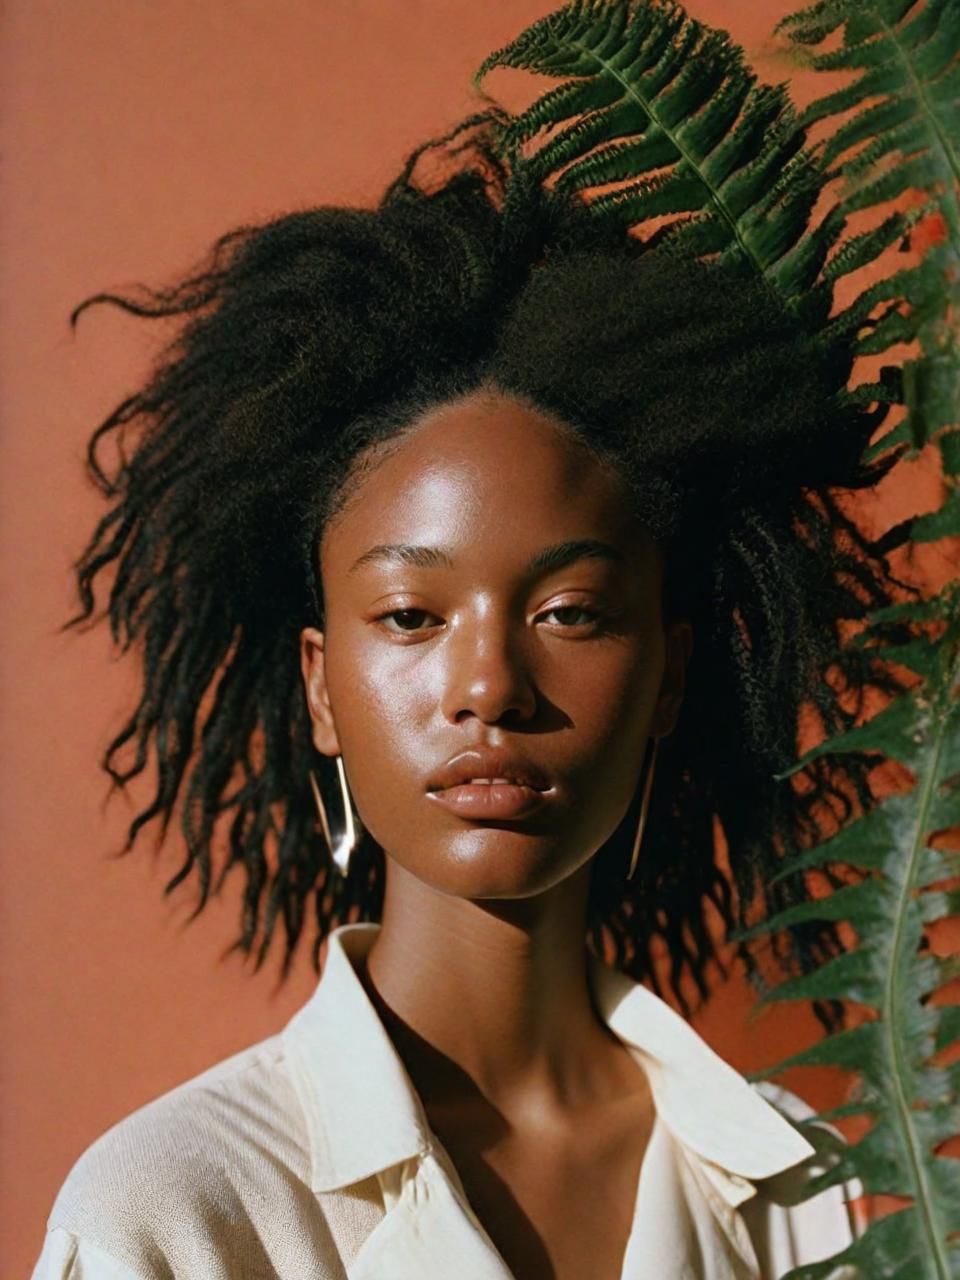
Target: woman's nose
<point>488,673</point>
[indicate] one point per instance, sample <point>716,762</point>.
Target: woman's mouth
<point>491,798</point>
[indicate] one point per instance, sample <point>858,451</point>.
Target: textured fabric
<point>308,1156</point>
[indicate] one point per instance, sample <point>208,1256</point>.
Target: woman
<point>483,560</point>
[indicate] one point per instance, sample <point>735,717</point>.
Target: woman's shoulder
<point>186,1170</point>
<point>196,1126</point>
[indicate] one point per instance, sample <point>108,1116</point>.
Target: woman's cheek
<point>381,715</point>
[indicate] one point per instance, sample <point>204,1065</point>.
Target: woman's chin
<point>491,862</point>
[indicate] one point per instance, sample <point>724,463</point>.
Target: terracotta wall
<point>134,134</point>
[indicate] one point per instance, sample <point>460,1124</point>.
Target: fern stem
<point>719,203</point>
<point>894,1013</point>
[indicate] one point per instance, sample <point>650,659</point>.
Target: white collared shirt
<point>308,1156</point>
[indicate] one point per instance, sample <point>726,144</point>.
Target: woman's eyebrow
<point>551,558</point>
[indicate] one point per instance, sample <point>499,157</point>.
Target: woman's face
<point>492,610</point>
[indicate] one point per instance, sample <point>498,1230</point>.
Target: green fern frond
<point>913,1101</point>
<point>658,121</point>
<point>862,249</point>
<point>903,135</point>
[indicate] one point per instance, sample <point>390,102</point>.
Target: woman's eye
<point>410,621</point>
<point>572,615</point>
<point>405,619</point>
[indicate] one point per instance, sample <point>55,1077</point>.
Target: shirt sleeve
<point>67,1256</point>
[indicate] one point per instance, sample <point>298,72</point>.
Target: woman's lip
<point>491,799</point>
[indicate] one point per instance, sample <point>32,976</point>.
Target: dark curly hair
<point>307,340</point>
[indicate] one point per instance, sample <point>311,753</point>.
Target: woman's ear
<point>678,646</point>
<point>313,669</point>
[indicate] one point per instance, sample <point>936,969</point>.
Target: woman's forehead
<point>483,469</point>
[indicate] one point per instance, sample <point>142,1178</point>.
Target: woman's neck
<point>490,1002</point>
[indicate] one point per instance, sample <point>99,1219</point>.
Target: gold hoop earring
<point>343,844</point>
<point>644,806</point>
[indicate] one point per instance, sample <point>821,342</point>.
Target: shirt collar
<point>363,1113</point>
